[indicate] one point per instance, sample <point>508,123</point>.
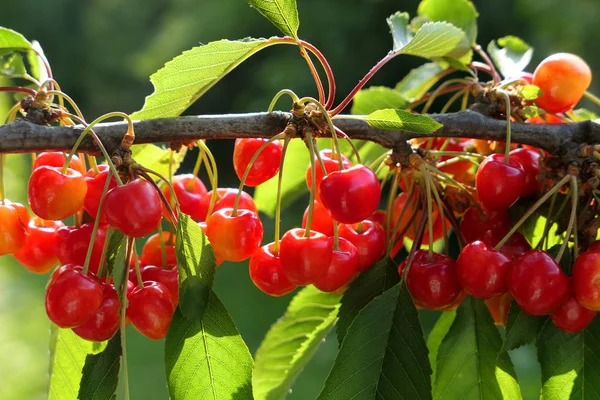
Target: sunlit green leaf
<point>12,66</point>
<point>419,80</point>
<point>437,334</point>
<point>100,373</point>
<point>583,114</point>
<point>460,13</point>
<point>511,57</point>
<point>282,13</point>
<point>376,98</point>
<point>530,92</point>
<point>402,120</point>
<point>157,158</point>
<point>11,41</point>
<point>531,111</point>
<point>521,328</point>
<point>37,68</point>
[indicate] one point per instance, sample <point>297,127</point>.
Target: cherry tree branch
<point>24,137</point>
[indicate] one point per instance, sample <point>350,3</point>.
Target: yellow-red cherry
<point>369,239</point>
<point>169,277</point>
<point>571,316</point>
<point>267,273</point>
<point>331,163</point>
<point>95,187</point>
<point>189,191</point>
<point>586,279</point>
<point>72,245</point>
<point>234,237</point>
<point>152,252</point>
<point>105,322</point>
<point>305,258</point>
<point>57,159</point>
<point>39,252</point>
<point>13,228</point>
<point>151,310</point>
<point>482,271</point>
<point>321,220</point>
<point>226,199</point>
<point>342,268</point>
<point>54,195</point>
<point>266,164</point>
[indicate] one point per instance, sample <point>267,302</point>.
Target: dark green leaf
<point>188,76</point>
<point>11,40</point>
<point>207,358</point>
<point>157,158</point>
<point>530,92</point>
<point>282,13</point>
<point>437,334</point>
<point>583,114</point>
<point>292,341</point>
<point>369,284</point>
<point>570,362</point>
<point>460,13</point>
<point>196,263</point>
<point>419,81</point>
<point>512,57</point>
<point>376,98</point>
<point>116,255</point>
<point>402,120</point>
<point>469,364</point>
<point>383,355</point>
<point>521,328</point>
<point>100,373</point>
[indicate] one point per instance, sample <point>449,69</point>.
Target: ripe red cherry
<point>167,276</point>
<point>350,195</point>
<point>474,223</point>
<point>71,297</point>
<point>498,307</point>
<point>482,271</point>
<point>12,228</point>
<point>321,221</point>
<point>267,273</point>
<point>563,79</point>
<point>586,280</point>
<point>266,164</point>
<point>152,253</point>
<point>72,245</point>
<point>39,252</point>
<point>234,237</point>
<point>571,317</point>
<point>57,159</point>
<point>134,208</point>
<point>330,161</point>
<point>189,190</point>
<point>537,283</point>
<point>530,161</point>
<point>105,322</point>
<point>95,187</point>
<point>515,246</point>
<point>498,184</point>
<point>342,268</point>
<point>226,199</point>
<point>54,195</point>
<point>432,282</point>
<point>305,259</point>
<point>378,217</point>
<point>151,310</point>
<point>369,240</point>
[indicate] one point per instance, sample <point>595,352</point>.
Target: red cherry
<point>563,79</point>
<point>537,283</point>
<point>515,246</point>
<point>530,161</point>
<point>152,253</point>
<point>151,310</point>
<point>305,259</point>
<point>369,240</point>
<point>267,273</point>
<point>266,164</point>
<point>134,208</point>
<point>571,317</point>
<point>498,307</point>
<point>321,221</point>
<point>95,187</point>
<point>407,218</point>
<point>71,297</point>
<point>189,190</point>
<point>474,223</point>
<point>39,252</point>
<point>586,280</point>
<point>167,276</point>
<point>72,245</point>
<point>482,271</point>
<point>432,282</point>
<point>342,268</point>
<point>330,161</point>
<point>226,199</point>
<point>498,184</point>
<point>546,119</point>
<point>350,195</point>
<point>378,217</point>
<point>12,228</point>
<point>105,322</point>
<point>57,159</point>
<point>234,237</point>
<point>54,195</point>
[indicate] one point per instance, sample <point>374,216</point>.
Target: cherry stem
<point>2,168</point>
<point>327,69</point>
<point>93,164</point>
<point>211,164</point>
<point>452,100</point>
<point>426,96</point>
<point>163,248</point>
<point>336,236</point>
<point>415,246</point>
<point>18,89</point>
<point>350,142</point>
<point>332,130</point>
<point>65,96</point>
<point>379,159</point>
<point>279,191</point>
<point>454,182</point>
<point>138,273</point>
<point>282,92</point>
<point>313,185</point>
<point>198,164</point>
<point>12,114</point>
<point>440,205</point>
<point>392,238</point>
<point>572,220</point>
<point>532,209</point>
<point>455,160</point>
<point>590,96</point>
<point>313,71</point>
<point>465,100</point>
<point>144,173</point>
<point>461,82</point>
<point>429,215</point>
<point>388,210</point>
<point>508,123</point>
<point>123,328</point>
<point>109,233</point>
<point>489,63</point>
<point>464,154</point>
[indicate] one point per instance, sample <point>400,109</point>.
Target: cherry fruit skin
<point>498,307</point>
<point>342,267</point>
<point>321,220</point>
<point>39,252</point>
<point>72,245</point>
<point>169,277</point>
<point>105,322</point>
<point>432,283</point>
<point>189,191</point>
<point>331,163</point>
<point>482,271</point>
<point>151,310</point>
<point>305,259</point>
<point>95,187</point>
<point>57,159</point>
<point>475,224</point>
<point>267,272</point>
<point>266,164</point>
<point>226,199</point>
<point>152,253</point>
<point>572,317</point>
<point>234,237</point>
<point>563,79</point>
<point>350,195</point>
<point>134,208</point>
<point>586,280</point>
<point>498,184</point>
<point>54,195</point>
<point>530,161</point>
<point>537,283</point>
<point>514,246</point>
<point>12,228</point>
<point>72,298</point>
<point>369,239</point>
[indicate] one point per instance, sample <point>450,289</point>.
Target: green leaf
<point>157,158</point>
<point>11,41</point>
<point>460,13</point>
<point>188,76</point>
<point>207,358</point>
<point>116,259</point>
<point>437,334</point>
<point>521,328</point>
<point>68,353</point>
<point>468,363</point>
<point>530,92</point>
<point>583,114</point>
<point>36,64</point>
<point>512,57</point>
<point>419,80</point>
<point>401,35</point>
<point>100,374</point>
<point>383,355</point>
<point>292,341</point>
<point>531,111</point>
<point>402,120</point>
<point>369,284</point>
<point>196,263</point>
<point>12,66</point>
<point>282,13</point>
<point>570,363</point>
<point>375,98</point>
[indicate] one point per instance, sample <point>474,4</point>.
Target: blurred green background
<point>102,53</point>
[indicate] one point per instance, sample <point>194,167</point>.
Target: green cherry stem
<point>429,216</point>
<point>123,327</point>
<point>313,186</point>
<point>336,236</point>
<point>441,90</point>
<point>379,160</point>
<point>388,209</point>
<point>415,245</point>
<point>508,123</point>
<point>282,92</point>
<point>279,191</point>
<point>452,100</point>
<point>440,205</point>
<point>144,172</point>
<point>590,96</point>
<point>138,272</point>
<point>163,248</point>
<point>2,168</point>
<point>332,130</point>
<point>313,71</point>
<point>65,96</point>
<point>395,233</point>
<point>572,220</point>
<point>211,164</point>
<point>351,143</point>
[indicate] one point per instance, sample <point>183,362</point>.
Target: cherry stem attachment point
<point>508,123</point>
